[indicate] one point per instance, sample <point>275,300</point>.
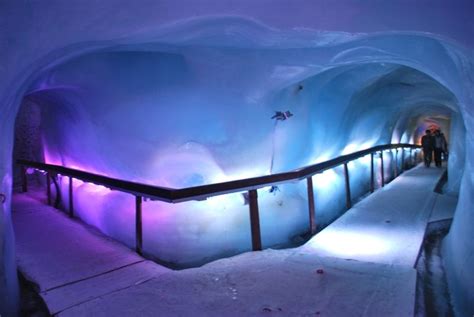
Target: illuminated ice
<point>191,104</point>
<point>181,116</point>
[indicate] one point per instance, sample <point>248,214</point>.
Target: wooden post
<point>382,172</point>
<point>372,174</point>
<point>348,187</point>
<point>312,221</point>
<point>48,187</point>
<point>71,198</point>
<point>254,220</point>
<point>138,225</point>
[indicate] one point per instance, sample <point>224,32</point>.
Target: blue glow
<point>180,115</point>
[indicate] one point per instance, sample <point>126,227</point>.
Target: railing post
<point>403,160</point>
<point>312,222</point>
<point>71,198</point>
<point>348,186</point>
<point>254,220</point>
<point>48,187</point>
<point>372,174</point>
<point>24,179</point>
<point>138,225</point>
<point>382,173</point>
<point>395,166</point>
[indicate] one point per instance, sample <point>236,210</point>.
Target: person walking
<point>440,146</point>
<point>427,143</point>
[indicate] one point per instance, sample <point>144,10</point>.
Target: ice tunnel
<point>180,117</point>
<point>192,104</point>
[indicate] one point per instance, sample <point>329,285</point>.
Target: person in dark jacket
<point>440,146</point>
<point>427,143</point>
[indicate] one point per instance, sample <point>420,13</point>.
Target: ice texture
<point>191,103</point>
<point>186,115</point>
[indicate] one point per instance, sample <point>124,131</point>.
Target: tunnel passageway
<point>193,104</point>
<point>379,237</point>
<point>167,128</point>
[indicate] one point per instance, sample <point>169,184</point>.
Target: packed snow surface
<point>366,268</point>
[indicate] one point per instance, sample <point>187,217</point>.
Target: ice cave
<point>235,106</point>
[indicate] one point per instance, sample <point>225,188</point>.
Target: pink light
<point>93,188</point>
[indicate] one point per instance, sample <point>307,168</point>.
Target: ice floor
<point>361,265</point>
<point>387,227</point>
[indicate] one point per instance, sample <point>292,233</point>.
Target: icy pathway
<point>267,283</point>
<point>69,261</point>
<point>387,227</point>
<point>81,273</point>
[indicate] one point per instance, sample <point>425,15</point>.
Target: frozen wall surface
<point>190,103</point>
<point>189,115</point>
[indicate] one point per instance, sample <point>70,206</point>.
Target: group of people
<point>434,142</point>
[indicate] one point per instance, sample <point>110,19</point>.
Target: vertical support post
<point>48,187</point>
<point>138,225</point>
<point>395,166</point>
<point>348,187</point>
<point>403,160</point>
<point>372,174</point>
<point>312,222</point>
<point>71,198</point>
<point>254,220</point>
<point>382,172</point>
<point>24,179</point>
<point>411,157</point>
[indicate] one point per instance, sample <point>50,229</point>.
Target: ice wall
<point>447,63</point>
<point>199,111</point>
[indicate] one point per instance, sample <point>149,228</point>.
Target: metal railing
<point>251,185</point>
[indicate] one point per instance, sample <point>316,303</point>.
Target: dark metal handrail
<point>172,195</point>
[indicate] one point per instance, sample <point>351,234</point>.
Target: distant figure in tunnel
<point>427,143</point>
<point>440,147</point>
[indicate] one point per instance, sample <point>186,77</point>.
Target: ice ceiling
<point>193,105</point>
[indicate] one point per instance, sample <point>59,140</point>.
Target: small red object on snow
<point>319,271</point>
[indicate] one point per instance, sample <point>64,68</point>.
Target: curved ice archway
<point>454,76</point>
<point>365,94</point>
<point>222,149</point>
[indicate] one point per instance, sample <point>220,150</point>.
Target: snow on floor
<point>361,265</point>
<point>267,283</point>
<point>387,227</point>
<point>68,261</point>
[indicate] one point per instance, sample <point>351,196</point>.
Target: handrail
<point>175,195</point>
<point>250,185</point>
